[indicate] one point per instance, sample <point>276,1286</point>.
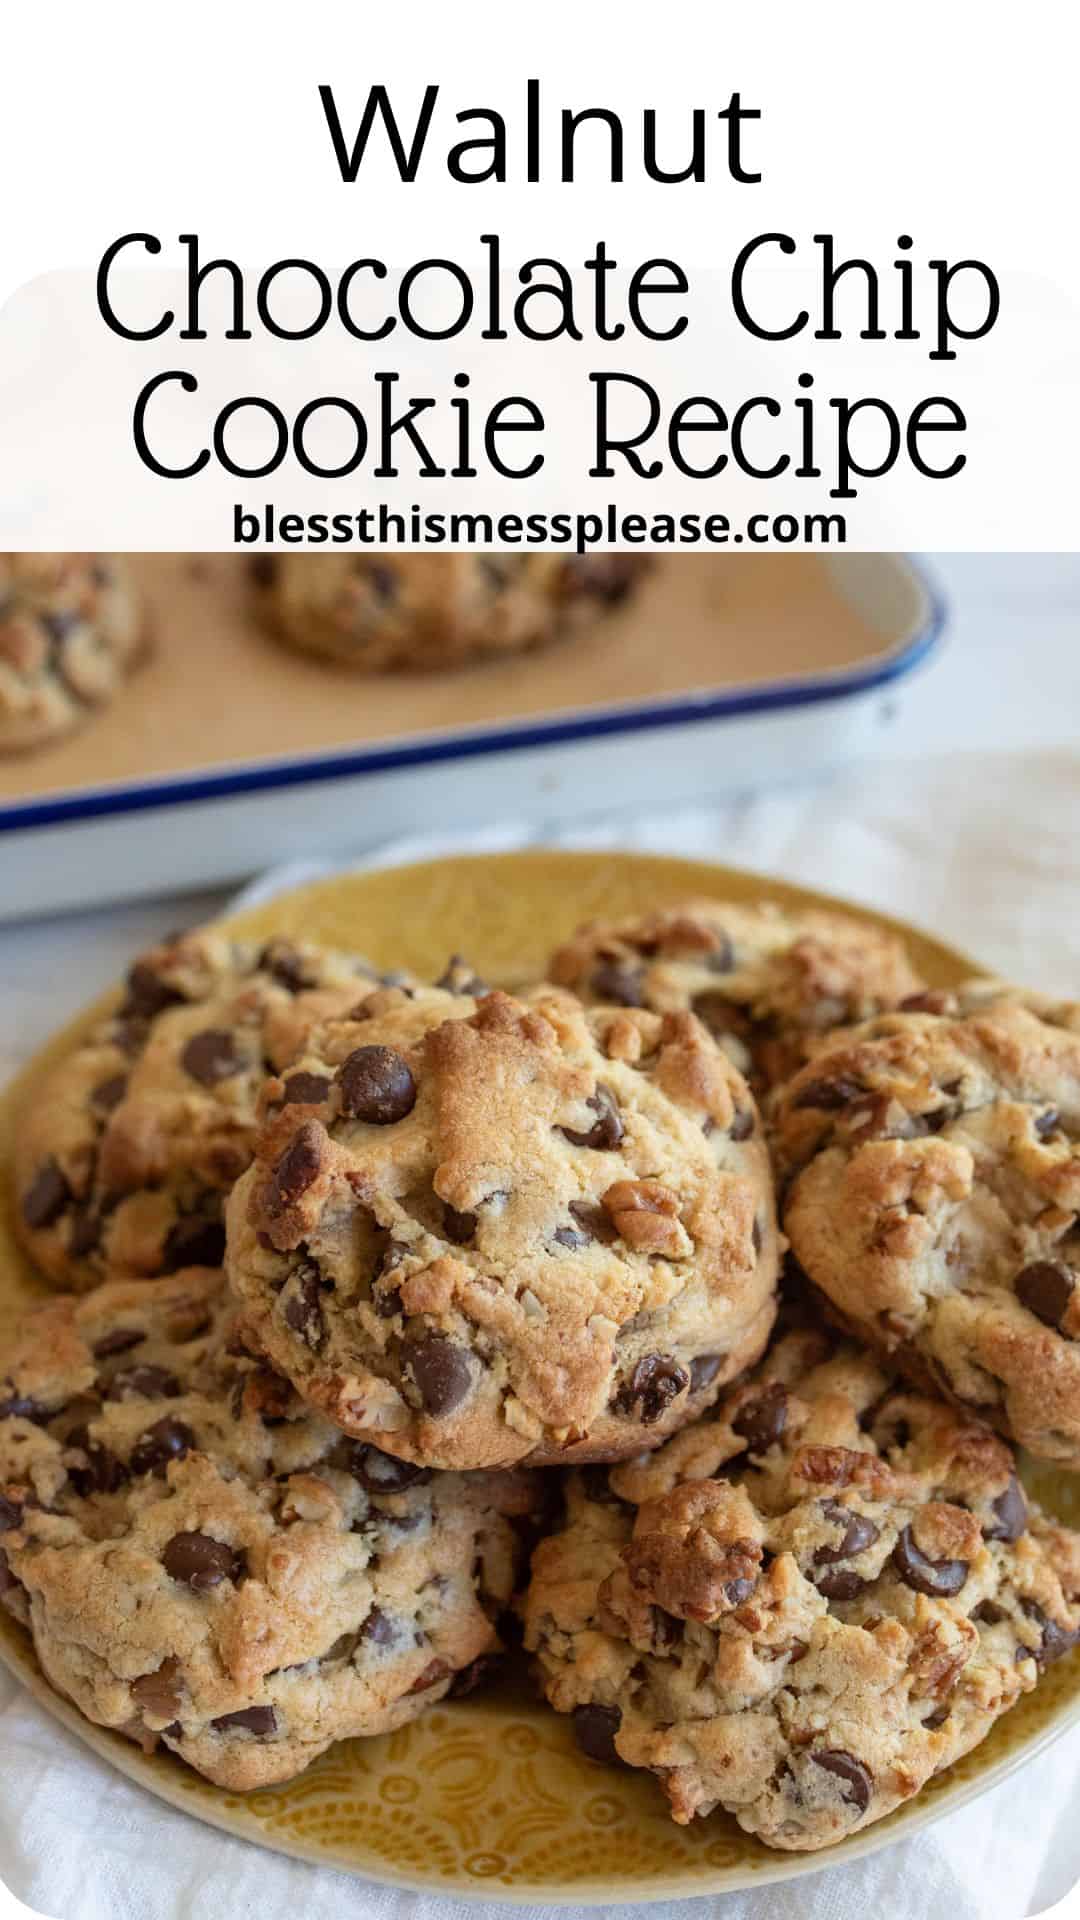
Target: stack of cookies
<point>399,1317</point>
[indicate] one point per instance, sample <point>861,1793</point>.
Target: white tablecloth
<point>983,850</point>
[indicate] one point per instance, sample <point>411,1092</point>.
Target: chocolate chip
<point>460,978</point>
<point>1047,1123</point>
<point>380,1473</point>
<point>376,1086</point>
<point>298,1168</point>
<point>704,1369</point>
<point>46,1196</point>
<point>200,1562</point>
<point>938,1578</point>
<point>306,1089</point>
<point>10,1514</point>
<point>380,1628</point>
<point>989,1614</point>
<point>19,1406</point>
<point>721,959</point>
<point>158,1693</point>
<point>856,1781</point>
<point>469,1678</point>
<point>1056,1640</point>
<point>143,1383</point>
<point>383,582</point>
<point>107,1095</point>
<point>607,1130</point>
<point>287,965</point>
<point>260,1720</point>
<point>302,1308</point>
<point>717,1013</point>
<point>84,1233</point>
<point>829,1095</point>
<point>937,1718</point>
<point>121,1340</point>
<point>166,1440</point>
<point>859,1533</point>
<point>458,1227</point>
<point>1045,1289</point>
<point>101,1471</point>
<point>840,1583</point>
<point>762,1420</point>
<point>595,1728</point>
<point>211,1056</point>
<point>193,1241</point>
<point>619,983</point>
<point>657,1380</point>
<point>264,569</point>
<point>1010,1508</point>
<point>343,1648</point>
<point>443,1373</point>
<point>742,1126</point>
<point>147,993</point>
<point>130,1034</point>
<point>592,1223</point>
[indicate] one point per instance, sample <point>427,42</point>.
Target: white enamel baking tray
<point>117,839</point>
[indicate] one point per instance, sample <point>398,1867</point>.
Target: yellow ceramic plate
<point>490,1797</point>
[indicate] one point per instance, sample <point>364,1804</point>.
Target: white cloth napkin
<point>984,851</point>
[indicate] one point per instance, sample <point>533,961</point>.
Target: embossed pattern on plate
<point>489,1797</point>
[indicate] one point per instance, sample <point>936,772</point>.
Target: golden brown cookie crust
<point>934,1197</point>
<point>71,628</point>
<point>128,1148</point>
<point>803,1607</point>
<point>420,612</point>
<point>205,1562</point>
<point>508,1230</point>
<point>768,981</point>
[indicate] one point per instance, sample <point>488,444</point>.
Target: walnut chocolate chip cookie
<point>934,1201</point>
<point>481,1233</point>
<point>130,1145</point>
<point>392,611</point>
<point>70,630</point>
<point>802,1608</point>
<point>767,981</point>
<point>204,1561</point>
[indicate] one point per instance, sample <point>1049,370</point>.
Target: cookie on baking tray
<point>385,612</point>
<point>205,1562</point>
<point>130,1144</point>
<point>933,1199</point>
<point>806,1605</point>
<point>71,628</point>
<point>767,980</point>
<point>486,1231</point>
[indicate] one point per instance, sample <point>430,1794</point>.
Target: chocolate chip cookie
<point>768,981</point>
<point>802,1608</point>
<point>205,1562</point>
<point>70,630</point>
<point>131,1143</point>
<point>481,1233</point>
<point>388,612</point>
<point>934,1200</point>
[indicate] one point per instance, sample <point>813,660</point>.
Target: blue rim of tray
<point>434,749</point>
